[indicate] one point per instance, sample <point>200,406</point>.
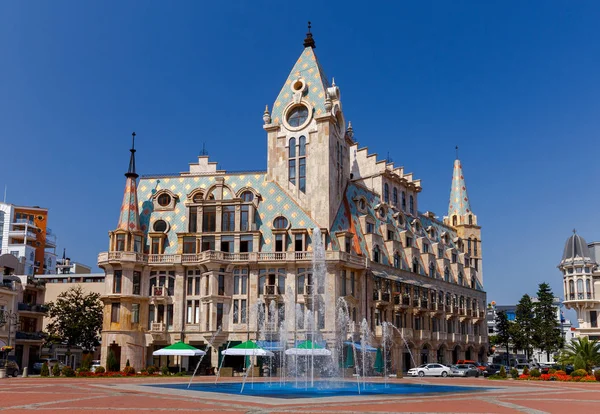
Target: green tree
<point>76,319</point>
<point>525,322</point>
<point>112,365</point>
<point>503,331</point>
<point>546,334</point>
<point>582,353</point>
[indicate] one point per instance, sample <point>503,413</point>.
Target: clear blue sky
<point>514,84</point>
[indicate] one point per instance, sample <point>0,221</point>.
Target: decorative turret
<point>577,267</point>
<point>129,236</point>
<point>461,217</point>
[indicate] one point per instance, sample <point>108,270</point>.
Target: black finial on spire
<point>456,151</point>
<point>574,231</point>
<point>309,41</point>
<point>131,171</point>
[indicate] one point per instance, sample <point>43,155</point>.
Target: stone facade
<point>206,249</point>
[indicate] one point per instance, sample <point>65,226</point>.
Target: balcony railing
<point>32,308</point>
<point>160,291</point>
<point>212,255</point>
<point>157,327</point>
<point>30,336</point>
<point>423,334</point>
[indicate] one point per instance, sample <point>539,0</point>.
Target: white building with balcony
<point>581,283</point>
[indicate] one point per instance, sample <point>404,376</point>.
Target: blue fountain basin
<point>320,389</point>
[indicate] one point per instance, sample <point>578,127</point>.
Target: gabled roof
<point>307,66</point>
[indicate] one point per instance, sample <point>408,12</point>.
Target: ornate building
<point>196,254</point>
<point>579,266</point>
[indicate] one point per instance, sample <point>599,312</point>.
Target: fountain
<point>298,373</point>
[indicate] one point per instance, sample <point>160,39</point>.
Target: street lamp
<point>11,319</point>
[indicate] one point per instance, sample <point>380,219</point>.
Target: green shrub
<point>495,377</point>
<point>129,370</point>
<point>86,361</point>
<point>551,371</point>
<point>502,372</point>
<point>45,372</point>
<point>99,370</point>
<point>597,375</point>
<point>179,374</point>
<point>526,371</point>
<point>127,363</point>
<point>535,373</point>
<point>164,370</point>
<point>514,373</point>
<point>579,373</point>
<point>56,370</point>
<point>67,371</point>
<point>112,365</point>
<point>151,370</point>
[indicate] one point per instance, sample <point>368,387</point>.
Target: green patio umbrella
<point>308,348</point>
<point>179,349</point>
<point>379,361</point>
<point>349,358</point>
<point>248,348</point>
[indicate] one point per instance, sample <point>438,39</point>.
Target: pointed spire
<point>131,171</point>
<point>309,41</point>
<point>129,220</point>
<point>459,200</point>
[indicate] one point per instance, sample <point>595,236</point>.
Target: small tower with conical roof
<point>577,266</point>
<point>306,134</point>
<point>128,236</point>
<point>461,217</point>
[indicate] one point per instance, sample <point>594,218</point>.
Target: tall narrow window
<point>189,245</point>
<point>292,161</point>
<point>343,283</point>
<point>192,228</point>
<point>219,315</point>
<point>209,219</point>
<point>302,174</point>
<point>115,310</point>
<point>395,197</point>
<point>386,193</point>
<point>137,276</point>
<point>397,260</point>
<point>156,245</point>
<point>352,280</point>
<point>236,311</point>
<point>135,313</point>
<point>469,246</point>
<point>190,312</point>
<point>403,201</point>
<point>137,244</point>
<point>244,217</point>
<point>411,204</point>
<point>298,242</point>
<point>243,311</point>
<point>221,285</point>
<point>120,243</point>
<point>228,218</point>
<point>245,244</point>
<point>376,254</point>
<point>415,266</point>
<point>169,317</point>
<point>118,279</point>
<point>475,246</point>
<point>190,283</point>
<point>431,270</point>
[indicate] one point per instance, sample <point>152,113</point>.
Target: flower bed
<point>558,377</point>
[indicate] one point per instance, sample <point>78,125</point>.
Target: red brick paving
<point>106,395</point>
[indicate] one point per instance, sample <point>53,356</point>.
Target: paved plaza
<point>104,395</point>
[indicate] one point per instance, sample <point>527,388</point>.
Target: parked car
<point>521,367</point>
<point>492,369</point>
<point>435,370</point>
<point>12,368</point>
<point>95,364</point>
<point>479,365</point>
<point>464,370</point>
<point>37,367</point>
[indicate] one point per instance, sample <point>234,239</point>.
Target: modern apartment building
<point>203,253</point>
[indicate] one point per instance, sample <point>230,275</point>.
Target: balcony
<point>439,336</point>
<point>349,259</point>
<point>158,327</point>
<point>381,298</point>
<point>29,336</point>
<point>22,233</point>
<point>159,293</point>
<point>423,334</point>
<point>25,307</point>
<point>406,333</point>
<point>454,337</point>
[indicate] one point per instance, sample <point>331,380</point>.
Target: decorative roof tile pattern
<point>459,200</point>
<point>274,203</point>
<point>129,220</point>
<point>308,67</point>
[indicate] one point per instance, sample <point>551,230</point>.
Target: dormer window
<point>409,241</point>
<point>425,248</point>
<point>280,223</point>
<point>454,258</point>
<point>370,227</point>
<point>390,235</point>
<point>198,197</point>
<point>376,254</point>
<point>247,196</point>
<point>447,274</point>
<point>397,260</point>
<point>440,253</point>
<point>431,270</point>
<point>164,200</point>
<point>382,212</point>
<point>415,265</point>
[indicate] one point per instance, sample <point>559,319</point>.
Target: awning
<point>270,345</point>
<point>180,349</point>
<point>359,348</point>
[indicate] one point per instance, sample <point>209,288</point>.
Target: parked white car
<point>429,370</point>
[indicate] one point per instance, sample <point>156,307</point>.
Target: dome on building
<point>576,250</point>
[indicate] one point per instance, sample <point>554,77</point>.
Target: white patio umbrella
<point>308,348</point>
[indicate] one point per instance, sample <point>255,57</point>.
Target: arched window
<point>397,260</point>
<point>588,288</point>
<point>469,246</point>
<point>411,202</point>
<point>454,220</point>
<point>376,254</point>
<point>447,274</point>
<point>302,165</point>
<point>386,193</point>
<point>302,146</point>
<point>571,289</point>
<point>280,223</point>
<point>431,270</point>
<point>395,197</point>
<point>403,201</point>
<point>292,161</point>
<point>415,266</point>
<point>247,196</point>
